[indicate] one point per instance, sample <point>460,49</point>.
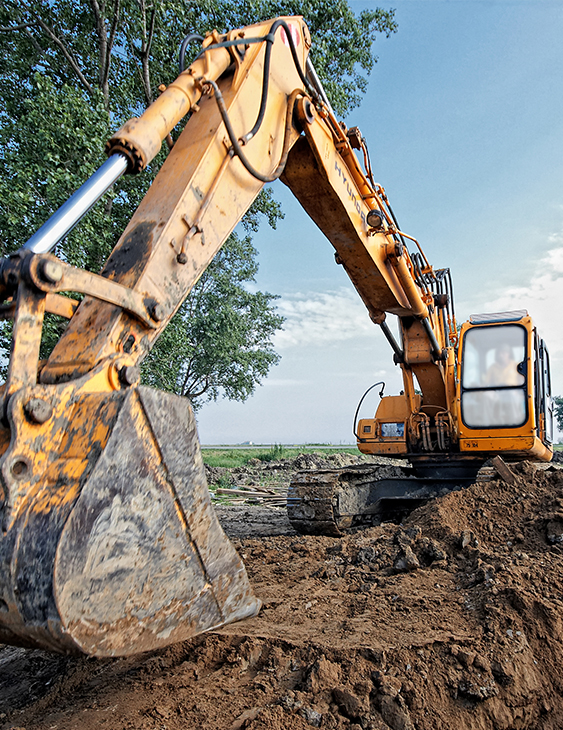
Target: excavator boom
<point>109,543</point>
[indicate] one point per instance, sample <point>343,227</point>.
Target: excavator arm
<point>109,543</point>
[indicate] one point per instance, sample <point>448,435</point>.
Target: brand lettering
<point>350,191</point>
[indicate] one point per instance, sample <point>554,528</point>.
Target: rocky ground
<point>452,619</point>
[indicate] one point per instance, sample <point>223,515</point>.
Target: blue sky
<point>463,120</point>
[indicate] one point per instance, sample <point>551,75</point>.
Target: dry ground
<point>451,620</point>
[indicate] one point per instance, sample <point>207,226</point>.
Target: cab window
<point>494,377</point>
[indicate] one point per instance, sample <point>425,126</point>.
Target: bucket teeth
<point>134,557</point>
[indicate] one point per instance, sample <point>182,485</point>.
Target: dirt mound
<point>451,620</point>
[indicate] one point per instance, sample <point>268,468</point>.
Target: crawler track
<point>331,501</point>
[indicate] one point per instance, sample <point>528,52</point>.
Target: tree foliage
<point>71,72</point>
<point>558,410</point>
<point>216,347</point>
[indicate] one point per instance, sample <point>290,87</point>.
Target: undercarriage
<point>331,501</point>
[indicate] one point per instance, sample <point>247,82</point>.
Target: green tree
<point>558,410</point>
<point>216,346</point>
<point>72,71</point>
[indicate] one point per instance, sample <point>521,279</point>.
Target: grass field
<point>240,457</point>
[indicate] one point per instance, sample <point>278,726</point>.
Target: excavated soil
<point>453,619</point>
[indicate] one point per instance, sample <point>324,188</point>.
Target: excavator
<point>109,545</point>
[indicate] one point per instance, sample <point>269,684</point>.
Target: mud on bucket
<point>139,560</point>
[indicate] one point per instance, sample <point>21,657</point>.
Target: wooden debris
<point>269,499</point>
<point>503,470</point>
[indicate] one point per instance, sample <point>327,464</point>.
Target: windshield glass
<point>493,377</point>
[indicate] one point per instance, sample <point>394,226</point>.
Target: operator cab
<point>504,402</point>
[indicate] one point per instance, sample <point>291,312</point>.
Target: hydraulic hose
<point>191,38</point>
<point>381,382</point>
<point>237,148</point>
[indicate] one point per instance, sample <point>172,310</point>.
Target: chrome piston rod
<point>76,207</point>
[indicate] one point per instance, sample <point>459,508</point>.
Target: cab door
<point>544,400</point>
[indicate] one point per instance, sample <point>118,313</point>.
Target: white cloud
<point>542,297</point>
<point>321,319</point>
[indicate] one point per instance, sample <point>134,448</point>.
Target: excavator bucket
<point>115,548</point>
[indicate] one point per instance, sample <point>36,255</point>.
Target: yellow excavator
<point>109,544</point>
